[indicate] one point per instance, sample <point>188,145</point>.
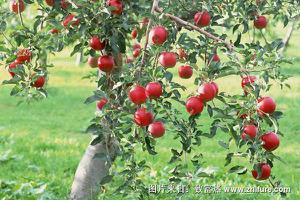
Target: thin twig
<point>8,40</point>
<point>20,16</point>
<point>191,26</point>
<point>155,4</point>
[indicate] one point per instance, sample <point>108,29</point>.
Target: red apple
<point>265,172</point>
<point>250,131</point>
<point>136,53</point>
<point>23,55</point>
<point>168,59</point>
<point>118,6</point>
<point>11,67</point>
<point>153,90</point>
<point>17,6</point>
<point>54,31</point>
<point>270,141</point>
<point>215,85</point>
<point>101,103</point>
<point>64,4</point>
<point>182,54</point>
<point>185,71</point>
<point>247,80</point>
<point>40,81</point>
<point>260,22</point>
<point>50,2</point>
<point>202,19</point>
<point>194,105</point>
<point>96,43</point>
<point>129,60</point>
<point>158,35</point>
<point>106,63</point>
<point>266,105</point>
<point>93,62</point>
<point>137,95</point>
<point>136,46</point>
<point>142,117</point>
<point>134,33</point>
<point>156,129</point>
<point>216,58</point>
<point>207,92</point>
<point>70,20</point>
<point>144,22</point>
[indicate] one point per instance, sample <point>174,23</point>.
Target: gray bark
<point>92,169</point>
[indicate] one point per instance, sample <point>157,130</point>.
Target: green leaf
<point>238,169</point>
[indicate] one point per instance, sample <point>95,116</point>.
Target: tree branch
<point>154,5</point>
<point>193,27</point>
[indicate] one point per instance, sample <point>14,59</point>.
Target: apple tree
<point>132,45</point>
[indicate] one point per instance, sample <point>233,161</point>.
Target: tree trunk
<point>288,34</point>
<point>92,169</point>
<point>79,57</point>
<point>96,162</point>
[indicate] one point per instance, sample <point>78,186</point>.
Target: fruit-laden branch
<point>154,5</point>
<point>193,27</point>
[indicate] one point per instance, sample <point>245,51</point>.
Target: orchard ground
<point>42,143</point>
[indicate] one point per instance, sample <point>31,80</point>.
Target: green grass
<point>44,141</point>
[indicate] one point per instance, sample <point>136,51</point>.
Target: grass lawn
<point>42,143</point>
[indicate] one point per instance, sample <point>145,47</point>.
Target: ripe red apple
<point>17,6</point>
<point>216,58</point>
<point>39,83</point>
<point>144,22</point>
<point>194,105</point>
<point>156,129</point>
<point>270,141</point>
<point>265,172</point>
<point>266,105</point>
<point>93,62</point>
<point>260,22</point>
<point>70,20</point>
<point>250,131</point>
<point>153,90</point>
<point>11,67</point>
<point>50,2</point>
<point>137,95</point>
<point>23,55</point>
<point>202,19</point>
<point>101,103</point>
<point>134,33</point>
<point>158,35</point>
<point>142,117</point>
<point>96,43</point>
<point>247,80</point>
<point>136,53</point>
<point>215,85</point>
<point>106,63</point>
<point>167,59</point>
<point>118,6</point>
<point>136,46</point>
<point>64,4</point>
<point>54,31</point>
<point>182,54</point>
<point>129,60</point>
<point>185,71</point>
<point>207,92</point>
